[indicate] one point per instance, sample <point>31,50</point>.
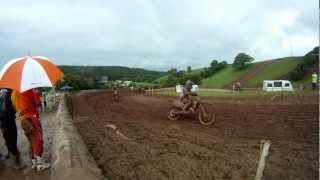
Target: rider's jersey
<point>183,93</point>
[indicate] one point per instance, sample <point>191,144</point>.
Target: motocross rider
<point>115,95</point>
<point>185,99</point>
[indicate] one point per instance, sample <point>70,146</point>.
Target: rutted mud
<point>156,148</point>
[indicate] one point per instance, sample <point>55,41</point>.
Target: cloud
<point>157,34</point>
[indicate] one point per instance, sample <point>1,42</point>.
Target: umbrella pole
<point>54,97</point>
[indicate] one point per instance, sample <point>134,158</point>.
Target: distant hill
<point>113,73</point>
<point>252,76</point>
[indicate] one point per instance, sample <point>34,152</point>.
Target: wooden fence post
<point>262,161</point>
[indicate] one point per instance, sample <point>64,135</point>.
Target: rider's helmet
<point>189,84</point>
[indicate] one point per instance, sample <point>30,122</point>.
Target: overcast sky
<point>156,34</point>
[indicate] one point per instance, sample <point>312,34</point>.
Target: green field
<point>145,84</point>
<point>162,79</point>
<point>247,94</point>
<point>225,77</point>
<point>276,70</point>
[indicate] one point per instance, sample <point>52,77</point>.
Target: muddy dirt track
<point>149,146</point>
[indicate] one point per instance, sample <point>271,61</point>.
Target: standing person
<point>39,94</point>
<point>314,80</point>
<point>26,104</point>
<point>238,86</point>
<point>115,95</point>
<point>8,126</point>
<point>44,101</point>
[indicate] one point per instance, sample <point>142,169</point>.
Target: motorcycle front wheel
<point>206,118</point>
<point>174,115</point>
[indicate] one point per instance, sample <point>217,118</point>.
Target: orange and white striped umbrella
<point>29,72</point>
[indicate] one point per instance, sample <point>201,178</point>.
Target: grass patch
<point>247,94</point>
<point>194,72</point>
<point>145,84</point>
<point>162,79</point>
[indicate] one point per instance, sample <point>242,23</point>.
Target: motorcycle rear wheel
<point>205,117</point>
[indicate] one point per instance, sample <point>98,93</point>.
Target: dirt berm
<point>70,157</point>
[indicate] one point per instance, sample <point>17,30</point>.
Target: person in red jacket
<point>27,106</point>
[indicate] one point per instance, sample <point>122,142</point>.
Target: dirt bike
<point>200,112</point>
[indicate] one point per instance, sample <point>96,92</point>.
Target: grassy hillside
<point>254,75</point>
<point>225,77</point>
<point>195,71</point>
<point>277,70</point>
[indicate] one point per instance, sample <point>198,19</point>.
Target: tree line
<point>309,61</point>
<point>90,77</point>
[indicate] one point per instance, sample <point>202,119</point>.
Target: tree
<point>297,73</point>
<point>223,63</point>
<point>213,63</point>
<point>195,78</point>
<point>173,70</point>
<point>311,59</point>
<point>189,69</point>
<point>75,81</point>
<point>205,73</point>
<point>242,60</point>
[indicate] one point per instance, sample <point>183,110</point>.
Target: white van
<point>277,85</point>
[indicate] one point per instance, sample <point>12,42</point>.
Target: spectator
<point>8,127</point>
<point>314,80</point>
<point>115,95</point>
<point>237,86</point>
<point>26,104</point>
<point>44,98</point>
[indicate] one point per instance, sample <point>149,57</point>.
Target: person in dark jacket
<point>8,126</point>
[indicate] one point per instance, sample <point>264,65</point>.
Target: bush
<point>180,77</point>
<point>297,73</point>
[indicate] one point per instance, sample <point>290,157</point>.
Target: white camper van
<point>277,85</point>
